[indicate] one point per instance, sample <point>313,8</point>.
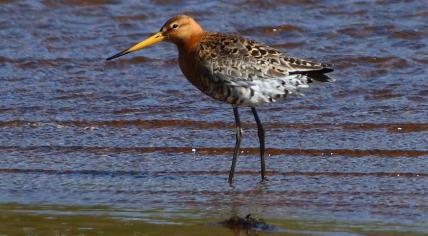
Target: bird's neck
<point>187,59</point>
<point>191,43</point>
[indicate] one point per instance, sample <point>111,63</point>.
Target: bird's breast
<point>193,71</point>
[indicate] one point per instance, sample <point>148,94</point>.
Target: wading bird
<point>235,70</point>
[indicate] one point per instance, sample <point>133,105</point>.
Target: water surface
<point>135,141</point>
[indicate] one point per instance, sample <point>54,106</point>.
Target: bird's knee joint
<point>239,131</point>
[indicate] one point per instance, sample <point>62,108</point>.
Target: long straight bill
<point>156,38</point>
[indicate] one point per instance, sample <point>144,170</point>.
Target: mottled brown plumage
<point>243,72</point>
<point>235,70</point>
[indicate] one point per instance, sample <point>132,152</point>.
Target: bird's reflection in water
<point>250,224</point>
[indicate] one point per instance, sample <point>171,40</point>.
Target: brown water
<point>101,146</point>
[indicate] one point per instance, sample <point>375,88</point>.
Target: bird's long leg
<point>261,133</point>
<point>237,145</point>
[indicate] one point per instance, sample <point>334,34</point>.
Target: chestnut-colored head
<point>182,30</point>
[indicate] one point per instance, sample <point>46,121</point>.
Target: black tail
<point>318,75</point>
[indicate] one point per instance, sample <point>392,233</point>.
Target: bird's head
<point>182,30</point>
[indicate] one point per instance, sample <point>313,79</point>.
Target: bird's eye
<point>174,26</point>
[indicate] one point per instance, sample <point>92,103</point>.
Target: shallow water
<point>134,138</point>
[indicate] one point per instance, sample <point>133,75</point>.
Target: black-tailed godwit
<point>235,70</point>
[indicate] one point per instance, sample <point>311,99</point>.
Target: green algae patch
<point>100,220</point>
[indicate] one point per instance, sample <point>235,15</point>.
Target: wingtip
<point>327,68</point>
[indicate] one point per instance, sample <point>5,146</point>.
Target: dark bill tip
<point>124,52</point>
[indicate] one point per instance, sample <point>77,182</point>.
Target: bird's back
<point>243,72</point>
